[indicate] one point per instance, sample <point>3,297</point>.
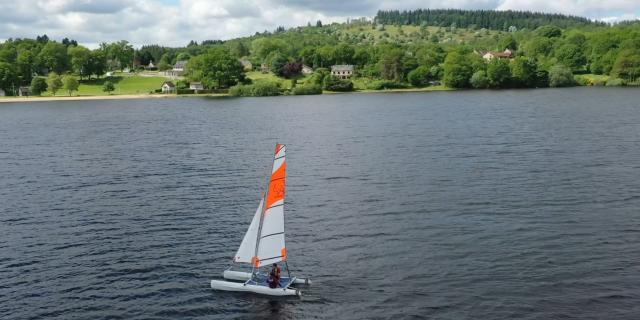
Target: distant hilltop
<point>489,19</point>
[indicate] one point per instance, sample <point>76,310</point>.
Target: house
<point>24,91</point>
<point>264,68</point>
<point>342,71</point>
<point>490,55</point>
<point>178,69</point>
<point>196,86</point>
<point>2,93</point>
<point>168,87</point>
<point>306,70</point>
<point>246,64</point>
<point>151,65</point>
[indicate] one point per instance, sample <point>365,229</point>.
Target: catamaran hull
<point>243,287</point>
<point>244,276</point>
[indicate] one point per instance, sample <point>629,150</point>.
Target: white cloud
<point>175,22</point>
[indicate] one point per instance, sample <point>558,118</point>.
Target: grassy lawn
<point>592,79</point>
<point>124,85</point>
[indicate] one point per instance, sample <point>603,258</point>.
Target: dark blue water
<point>454,205</point>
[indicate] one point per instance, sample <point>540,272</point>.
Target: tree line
<point>490,19</point>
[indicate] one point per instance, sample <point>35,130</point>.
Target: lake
<point>446,205</point>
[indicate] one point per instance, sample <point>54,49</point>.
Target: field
<point>124,84</point>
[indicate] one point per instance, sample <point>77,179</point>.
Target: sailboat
<point>264,242</point>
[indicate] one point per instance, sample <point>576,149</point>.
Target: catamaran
<point>263,244</point>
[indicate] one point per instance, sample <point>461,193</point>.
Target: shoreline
<point>219,95</point>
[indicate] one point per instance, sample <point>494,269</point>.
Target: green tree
<point>108,87</point>
<point>572,56</point>
<point>8,76</point>
<point>457,70</point>
<point>508,42</point>
<point>80,60</point>
<point>549,31</point>
<point>70,83</point>
<point>479,80</point>
<point>524,72</point>
<point>277,63</point>
<point>262,47</point>
<point>561,76</point>
<point>627,65</point>
<point>498,73</point>
<point>420,76</point>
<point>344,54</point>
<point>53,56</point>
<point>98,63</point>
<point>38,85</point>
<point>391,64</point>
<point>217,68</point>
<point>54,83</point>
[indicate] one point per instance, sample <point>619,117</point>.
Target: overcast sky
<point>175,22</point>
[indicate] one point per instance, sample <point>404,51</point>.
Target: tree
<point>333,83</point>
<point>524,71</point>
<point>391,64</point>
<point>479,80</point>
<point>38,85</point>
<point>98,63</point>
<point>54,83</point>
<point>277,62</point>
<point>108,87</point>
<point>498,73</point>
<point>263,47</point>
<point>344,54</point>
<point>291,69</point>
<point>8,77</point>
<point>420,76</point>
<point>457,70</point>
<point>53,56</point>
<point>508,42</point>
<point>549,31</point>
<point>70,83</point>
<point>217,68</point>
<point>627,65</point>
<point>571,56</point>
<point>560,76</point>
<point>80,60</point>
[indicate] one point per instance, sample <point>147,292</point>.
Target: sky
<point>176,22</point>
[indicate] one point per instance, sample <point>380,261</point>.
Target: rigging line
<point>272,234</point>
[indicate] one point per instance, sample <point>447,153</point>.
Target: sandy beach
<point>78,98</point>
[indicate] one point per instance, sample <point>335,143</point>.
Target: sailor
<point>274,277</point>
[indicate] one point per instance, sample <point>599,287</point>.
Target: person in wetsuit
<point>274,277</point>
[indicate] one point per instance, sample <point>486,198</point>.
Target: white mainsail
<point>267,226</point>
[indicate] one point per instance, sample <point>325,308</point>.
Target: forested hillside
<point>490,19</point>
<point>395,50</point>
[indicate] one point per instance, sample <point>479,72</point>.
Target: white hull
<point>244,276</point>
<point>243,287</point>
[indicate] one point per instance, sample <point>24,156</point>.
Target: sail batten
<point>268,242</point>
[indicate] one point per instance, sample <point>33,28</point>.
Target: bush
<point>420,76</point>
<point>38,85</point>
<point>479,80</point>
<point>332,83</point>
<point>386,84</point>
<point>307,89</point>
<point>561,76</point>
<point>185,91</point>
<point>258,89</point>
<point>616,82</point>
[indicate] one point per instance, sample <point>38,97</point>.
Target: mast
<point>264,208</point>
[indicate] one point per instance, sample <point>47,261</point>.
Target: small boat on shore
<point>264,242</point>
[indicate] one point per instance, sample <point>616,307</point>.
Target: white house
<point>2,93</point>
<point>178,69</point>
<point>342,71</point>
<point>490,55</point>
<point>196,86</point>
<point>306,70</point>
<point>168,87</point>
<point>246,64</point>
